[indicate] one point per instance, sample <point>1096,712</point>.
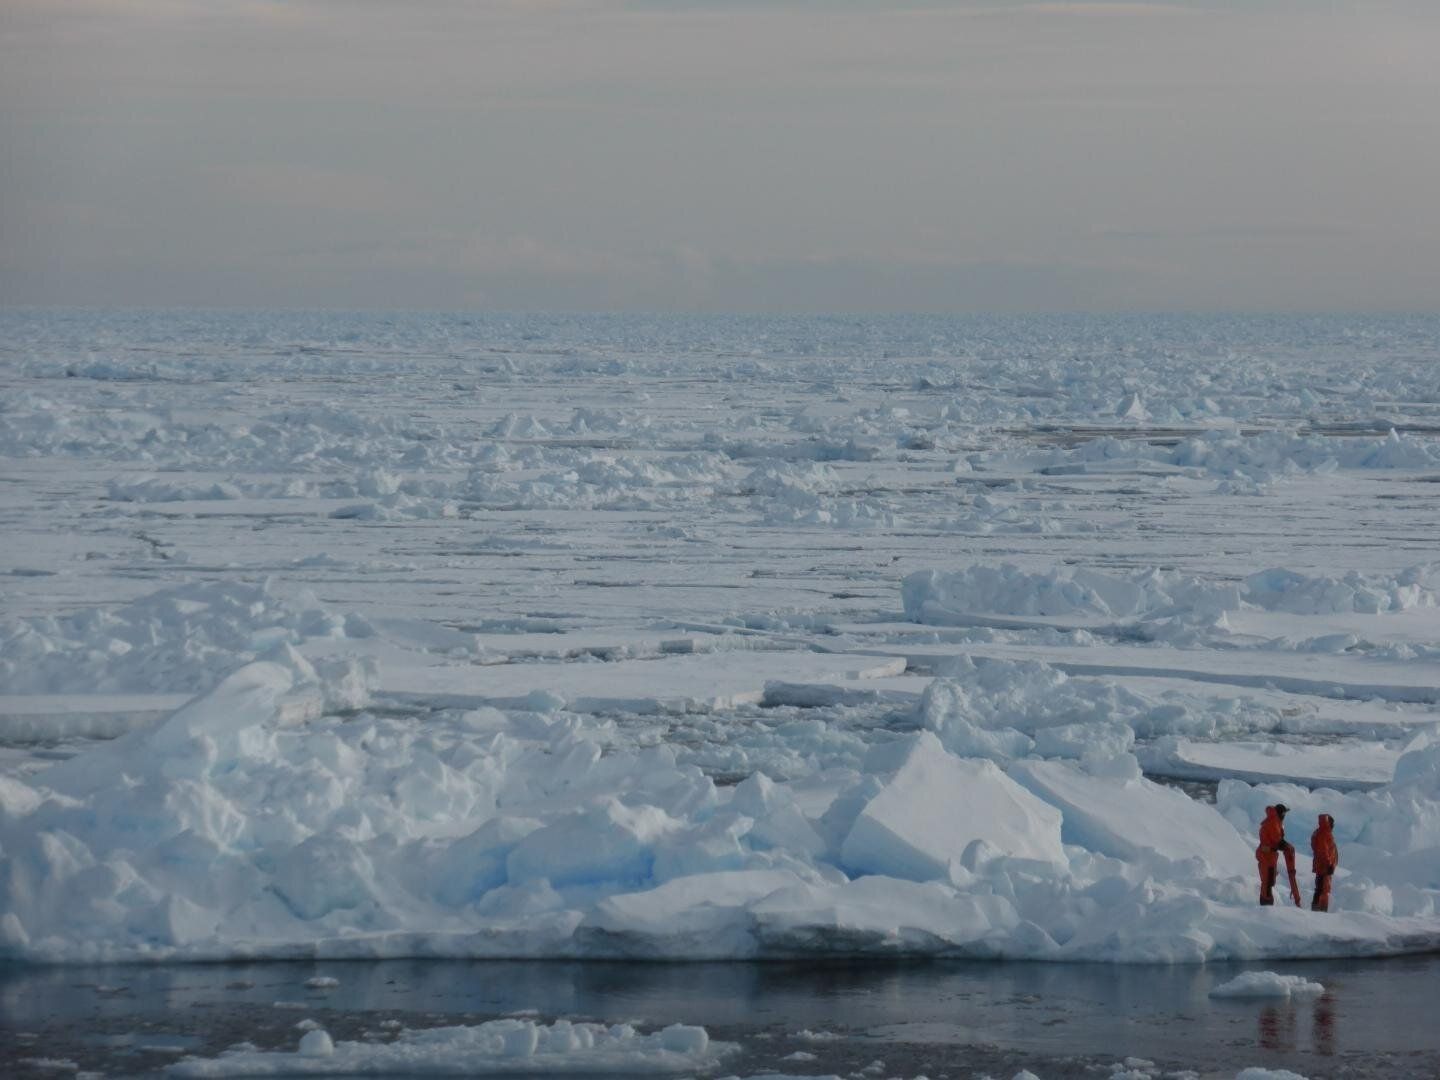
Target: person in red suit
<point>1272,845</point>
<point>1327,857</point>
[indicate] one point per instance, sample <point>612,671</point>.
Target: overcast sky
<point>721,155</point>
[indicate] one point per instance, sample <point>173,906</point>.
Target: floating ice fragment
<point>1266,984</point>
<point>316,1044</point>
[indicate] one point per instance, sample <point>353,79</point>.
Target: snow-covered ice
<point>258,820</point>
<point>561,637</point>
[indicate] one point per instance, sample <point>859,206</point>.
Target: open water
<point>1375,1019</point>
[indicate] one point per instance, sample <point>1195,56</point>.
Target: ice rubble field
<point>679,638</point>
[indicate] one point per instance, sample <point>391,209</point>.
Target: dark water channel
<point>1376,1018</point>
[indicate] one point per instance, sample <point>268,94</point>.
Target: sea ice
<point>939,809</point>
<point>310,621</point>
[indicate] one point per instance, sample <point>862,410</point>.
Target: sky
<point>721,155</point>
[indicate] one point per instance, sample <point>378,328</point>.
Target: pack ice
<point>560,637</point>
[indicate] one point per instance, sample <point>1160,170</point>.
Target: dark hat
<point>1281,809</point>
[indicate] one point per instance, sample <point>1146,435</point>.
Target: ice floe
<point>953,597</point>
<point>499,1047</point>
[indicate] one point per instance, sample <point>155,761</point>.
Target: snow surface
<point>540,636</point>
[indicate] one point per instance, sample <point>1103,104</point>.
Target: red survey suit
<point>1272,845</point>
<point>1327,857</point>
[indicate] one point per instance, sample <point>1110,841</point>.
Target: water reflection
<point>1277,1026</point>
<point>1324,1024</point>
